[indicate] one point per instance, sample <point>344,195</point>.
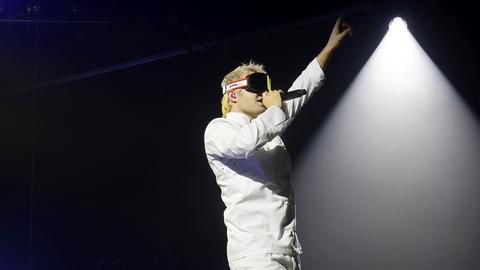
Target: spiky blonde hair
<point>238,73</point>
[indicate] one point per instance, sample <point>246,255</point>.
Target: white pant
<point>269,261</point>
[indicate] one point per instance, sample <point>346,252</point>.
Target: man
<point>252,165</point>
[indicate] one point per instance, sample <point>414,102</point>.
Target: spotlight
<point>397,23</point>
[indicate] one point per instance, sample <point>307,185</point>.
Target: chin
<point>261,110</point>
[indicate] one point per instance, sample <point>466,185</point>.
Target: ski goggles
<point>256,83</point>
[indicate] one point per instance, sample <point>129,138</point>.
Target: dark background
<point>103,106</point>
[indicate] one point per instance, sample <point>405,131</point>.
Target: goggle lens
<point>258,83</point>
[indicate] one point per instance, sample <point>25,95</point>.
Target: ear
<point>232,96</point>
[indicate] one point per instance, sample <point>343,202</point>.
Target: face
<point>248,103</point>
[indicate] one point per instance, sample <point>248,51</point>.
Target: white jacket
<point>252,169</point>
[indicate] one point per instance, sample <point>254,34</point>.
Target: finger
<point>346,26</point>
<point>338,22</point>
<point>345,32</point>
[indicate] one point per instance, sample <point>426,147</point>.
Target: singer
<point>252,166</point>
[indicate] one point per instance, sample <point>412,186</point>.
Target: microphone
<point>293,94</point>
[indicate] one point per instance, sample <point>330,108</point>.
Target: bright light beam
<point>391,180</point>
<point>397,23</point>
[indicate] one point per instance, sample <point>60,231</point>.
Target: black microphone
<point>293,94</point>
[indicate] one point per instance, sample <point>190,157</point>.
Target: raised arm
<point>313,77</point>
<point>340,30</point>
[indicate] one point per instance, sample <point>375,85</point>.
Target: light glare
<point>397,23</point>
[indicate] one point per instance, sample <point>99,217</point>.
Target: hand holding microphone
<point>275,97</point>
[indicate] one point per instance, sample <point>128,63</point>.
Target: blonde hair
<point>239,73</point>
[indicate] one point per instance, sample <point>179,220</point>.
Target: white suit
<point>252,169</point>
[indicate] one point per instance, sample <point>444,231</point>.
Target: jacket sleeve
<point>311,79</point>
<point>224,139</point>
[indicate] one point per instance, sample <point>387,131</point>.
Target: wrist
<point>328,49</point>
<point>324,56</point>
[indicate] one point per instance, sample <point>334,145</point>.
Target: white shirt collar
<point>238,117</point>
